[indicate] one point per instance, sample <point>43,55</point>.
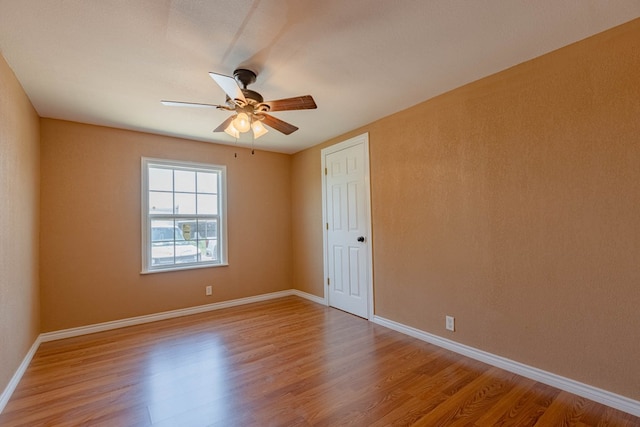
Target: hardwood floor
<point>286,362</point>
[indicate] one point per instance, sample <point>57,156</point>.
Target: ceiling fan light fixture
<point>258,129</point>
<point>242,122</point>
<point>232,131</point>
<point>248,107</point>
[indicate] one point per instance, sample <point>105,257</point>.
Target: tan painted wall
<point>513,204</point>
<point>90,241</point>
<point>306,190</point>
<point>19,200</point>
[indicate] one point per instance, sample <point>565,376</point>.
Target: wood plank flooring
<point>286,362</point>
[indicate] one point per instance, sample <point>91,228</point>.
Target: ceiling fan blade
<point>278,124</point>
<point>229,86</point>
<point>305,102</point>
<point>188,104</point>
<point>224,124</point>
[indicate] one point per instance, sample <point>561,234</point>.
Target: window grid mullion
<point>196,183</point>
<point>173,191</point>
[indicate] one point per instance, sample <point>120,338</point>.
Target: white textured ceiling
<point>110,62</point>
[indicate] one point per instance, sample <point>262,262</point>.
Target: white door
<point>347,226</point>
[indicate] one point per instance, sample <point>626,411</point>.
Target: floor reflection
<point>187,377</point>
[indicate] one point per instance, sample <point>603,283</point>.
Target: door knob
<point>361,239</point>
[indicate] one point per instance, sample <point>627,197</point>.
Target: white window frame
<point>221,170</point>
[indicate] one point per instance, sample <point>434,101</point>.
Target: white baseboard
<point>593,393</point>
<point>17,376</point>
<point>310,297</point>
<point>131,321</point>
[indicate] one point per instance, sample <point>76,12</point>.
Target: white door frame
<point>364,140</point>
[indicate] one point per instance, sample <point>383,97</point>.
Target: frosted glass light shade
<point>242,123</point>
<point>258,129</point>
<point>231,130</point>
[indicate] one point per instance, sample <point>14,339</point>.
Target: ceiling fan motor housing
<point>252,95</point>
<point>245,77</point>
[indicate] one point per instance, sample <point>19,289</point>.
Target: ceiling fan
<point>250,108</point>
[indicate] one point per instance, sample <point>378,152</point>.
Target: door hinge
<point>327,226</point>
<point>328,281</point>
<point>325,171</point>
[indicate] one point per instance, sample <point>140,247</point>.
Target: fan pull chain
<point>253,140</point>
<point>235,154</point>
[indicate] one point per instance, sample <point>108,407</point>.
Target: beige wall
<point>90,234</point>
<point>306,190</point>
<point>19,199</point>
<point>513,204</point>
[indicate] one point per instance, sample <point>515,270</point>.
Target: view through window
<point>183,215</point>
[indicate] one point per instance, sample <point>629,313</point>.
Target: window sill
<point>185,268</point>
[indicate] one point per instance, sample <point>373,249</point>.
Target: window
<point>183,215</point>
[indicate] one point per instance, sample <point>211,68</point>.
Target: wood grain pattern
<point>277,124</point>
<point>305,102</point>
<point>287,362</point>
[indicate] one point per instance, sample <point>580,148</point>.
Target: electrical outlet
<point>208,290</point>
<point>450,323</point>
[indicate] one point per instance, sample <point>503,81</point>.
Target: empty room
<point>319,213</point>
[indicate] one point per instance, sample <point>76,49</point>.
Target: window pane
<point>194,232</point>
<point>185,203</point>
<point>207,182</point>
<point>160,179</point>
<point>162,242</point>
<point>160,203</point>
<point>207,204</point>
<point>163,230</point>
<point>189,228</point>
<point>162,254</point>
<point>170,246</point>
<point>208,228</point>
<point>185,181</point>
<point>187,252</point>
<point>208,244</point>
